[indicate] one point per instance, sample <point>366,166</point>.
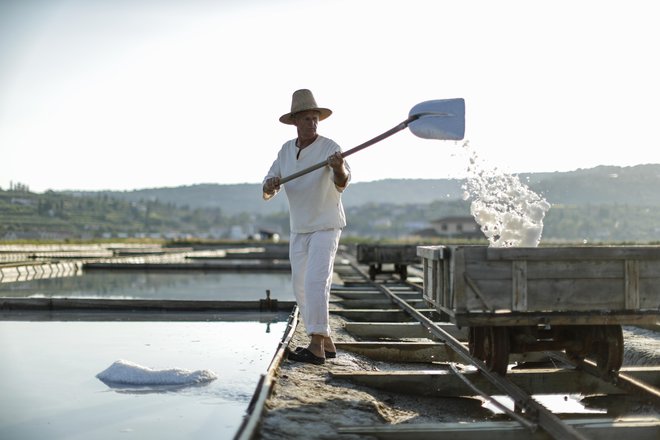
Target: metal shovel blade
<point>439,119</point>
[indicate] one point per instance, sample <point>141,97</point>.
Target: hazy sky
<point>128,94</point>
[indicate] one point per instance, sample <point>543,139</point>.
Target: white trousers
<point>312,257</point>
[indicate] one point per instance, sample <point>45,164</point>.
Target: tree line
<point>52,214</point>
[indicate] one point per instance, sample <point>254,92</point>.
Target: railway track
<point>390,322</point>
<point>528,412</point>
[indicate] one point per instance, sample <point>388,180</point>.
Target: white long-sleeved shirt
<point>314,199</point>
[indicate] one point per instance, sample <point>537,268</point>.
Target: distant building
<point>22,201</point>
<point>463,227</point>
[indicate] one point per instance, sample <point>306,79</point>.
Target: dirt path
<point>307,403</point>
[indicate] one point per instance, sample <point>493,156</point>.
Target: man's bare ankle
<point>328,344</point>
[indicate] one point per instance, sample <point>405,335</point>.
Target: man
<point>316,218</point>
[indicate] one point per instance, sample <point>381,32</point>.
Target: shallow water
<point>188,285</point>
<point>49,390</point>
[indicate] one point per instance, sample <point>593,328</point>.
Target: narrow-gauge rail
<point>532,299</point>
<point>529,413</point>
<point>389,322</point>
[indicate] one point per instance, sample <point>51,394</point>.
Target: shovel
<point>442,119</point>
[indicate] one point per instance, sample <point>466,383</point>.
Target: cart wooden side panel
<point>396,255</point>
<point>387,254</point>
<point>473,282</point>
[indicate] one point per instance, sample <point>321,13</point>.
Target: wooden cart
<point>395,255</point>
<point>517,300</point>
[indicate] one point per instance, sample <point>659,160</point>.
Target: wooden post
<point>519,284</point>
<point>458,273</point>
<point>631,296</point>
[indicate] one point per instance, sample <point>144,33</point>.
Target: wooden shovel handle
<point>378,138</point>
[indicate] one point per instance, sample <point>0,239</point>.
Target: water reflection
<point>242,286</point>
<point>49,369</point>
<point>123,388</point>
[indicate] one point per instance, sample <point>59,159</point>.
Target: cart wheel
<point>582,337</point>
<point>496,348</point>
<point>476,342</point>
<point>601,343</point>
<point>607,348</point>
<point>372,272</point>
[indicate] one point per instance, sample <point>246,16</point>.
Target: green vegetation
<point>600,205</point>
<point>53,215</point>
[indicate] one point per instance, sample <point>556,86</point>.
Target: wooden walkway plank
<point>379,303</point>
<point>379,315</point>
<point>400,330</point>
<point>420,351</point>
<point>401,351</point>
<point>434,382</point>
<point>356,294</point>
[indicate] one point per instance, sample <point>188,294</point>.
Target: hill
<point>637,185</point>
<point>598,204</point>
<point>600,185</point>
<point>246,197</point>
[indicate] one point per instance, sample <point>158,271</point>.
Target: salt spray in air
<point>509,213</point>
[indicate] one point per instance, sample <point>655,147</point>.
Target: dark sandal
<point>328,354</point>
<point>304,355</point>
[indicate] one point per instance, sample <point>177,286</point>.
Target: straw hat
<point>301,101</point>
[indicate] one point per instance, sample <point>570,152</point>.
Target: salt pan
<point>128,373</point>
<point>509,213</point>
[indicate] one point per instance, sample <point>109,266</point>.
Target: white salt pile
<point>128,373</point>
<point>509,213</point>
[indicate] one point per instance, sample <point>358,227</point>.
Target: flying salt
<point>509,213</point>
<point>128,373</point>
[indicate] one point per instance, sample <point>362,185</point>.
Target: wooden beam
<point>216,266</point>
<point>575,253</point>
<point>519,281</point>
<point>142,316</point>
<point>381,303</point>
<point>400,330</point>
<point>602,429</point>
<point>631,291</point>
<point>438,383</point>
<point>402,351</point>
<point>423,352</point>
<point>127,305</point>
<point>595,317</point>
<point>378,315</point>
<point>373,295</point>
<point>357,294</point>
